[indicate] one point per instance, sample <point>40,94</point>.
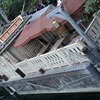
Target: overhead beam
<point>61,13</point>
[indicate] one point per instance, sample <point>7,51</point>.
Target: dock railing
<point>66,56</point>
<point>93,30</point>
<point>7,69</point>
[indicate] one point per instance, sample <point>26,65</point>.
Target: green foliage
<point>91,6</point>
<point>13,7</point>
<point>31,5</point>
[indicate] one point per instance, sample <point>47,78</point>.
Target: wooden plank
<point>43,49</point>
<point>57,44</point>
<point>97,25</point>
<point>91,34</point>
<point>55,59</point>
<point>93,30</point>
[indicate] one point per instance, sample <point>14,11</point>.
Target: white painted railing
<point>65,56</point>
<point>93,30</point>
<point>7,69</point>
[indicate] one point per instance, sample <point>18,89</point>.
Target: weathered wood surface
<point>57,44</point>
<point>33,47</point>
<point>67,55</point>
<point>93,30</point>
<point>55,80</point>
<point>13,36</point>
<point>61,82</point>
<point>6,68</point>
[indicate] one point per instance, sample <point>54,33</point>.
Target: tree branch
<point>23,7</point>
<point>2,13</point>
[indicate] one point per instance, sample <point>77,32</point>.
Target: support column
<point>78,29</point>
